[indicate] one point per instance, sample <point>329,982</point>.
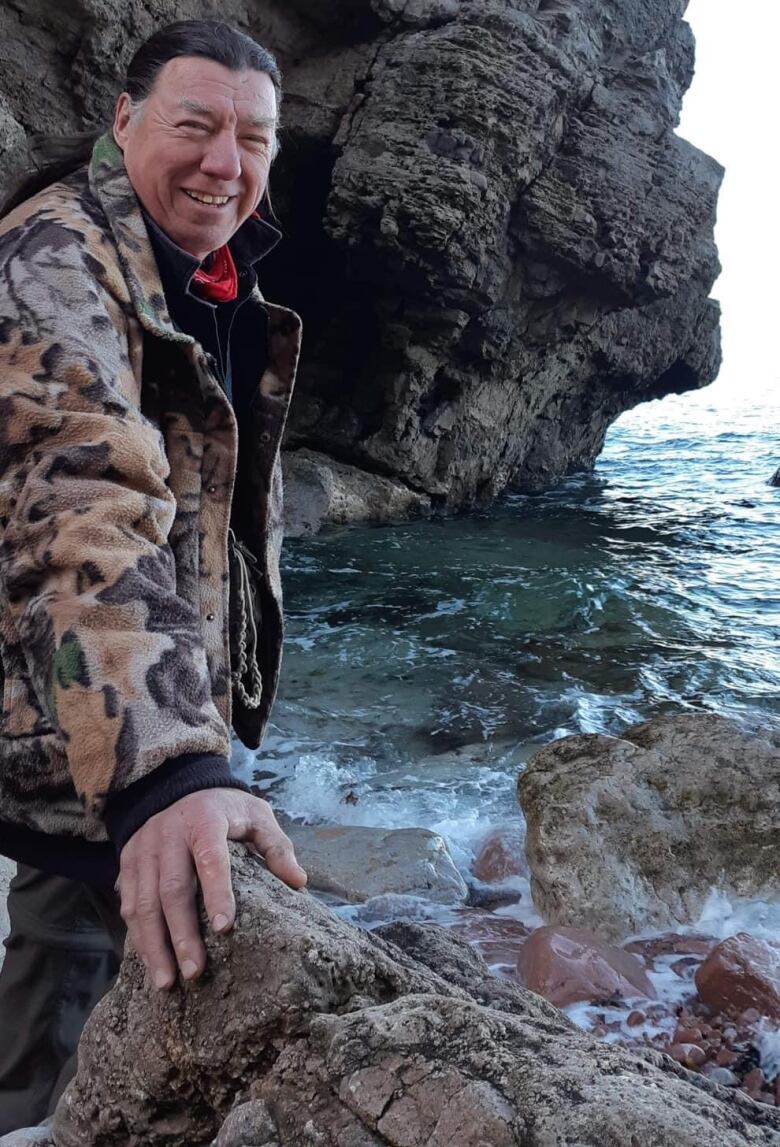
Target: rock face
<point>632,833</point>
<point>743,972</point>
<point>357,863</point>
<point>497,242</point>
<point>319,1034</point>
<point>567,965</point>
<point>501,854</point>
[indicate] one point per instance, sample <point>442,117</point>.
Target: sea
<point>427,661</point>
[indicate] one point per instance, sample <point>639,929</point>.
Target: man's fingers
<point>277,850</point>
<point>142,912</point>
<point>212,862</point>
<point>178,886</point>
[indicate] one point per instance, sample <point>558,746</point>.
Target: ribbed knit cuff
<point>128,810</point>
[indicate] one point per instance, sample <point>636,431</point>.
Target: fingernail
<point>189,969</point>
<point>161,979</point>
<point>219,923</point>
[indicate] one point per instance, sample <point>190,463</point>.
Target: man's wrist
<point>128,810</point>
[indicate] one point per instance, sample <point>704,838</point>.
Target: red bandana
<point>220,283</point>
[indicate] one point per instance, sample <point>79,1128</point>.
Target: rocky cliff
<point>496,240</point>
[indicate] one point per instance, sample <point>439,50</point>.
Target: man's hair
<point>55,157</point>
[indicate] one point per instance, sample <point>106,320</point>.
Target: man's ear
<point>122,116</point>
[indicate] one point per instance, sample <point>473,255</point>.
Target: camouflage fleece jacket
<point>118,452</point>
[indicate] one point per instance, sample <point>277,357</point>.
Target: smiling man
<point>144,385</point>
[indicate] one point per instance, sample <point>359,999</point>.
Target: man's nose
<point>222,159</point>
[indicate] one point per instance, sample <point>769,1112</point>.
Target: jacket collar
<point>111,186</point>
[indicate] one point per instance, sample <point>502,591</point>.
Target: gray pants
<point>62,954</point>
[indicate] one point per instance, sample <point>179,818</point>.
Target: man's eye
<point>257,141</point>
<point>192,123</point>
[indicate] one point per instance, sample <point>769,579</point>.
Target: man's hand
<point>186,844</point>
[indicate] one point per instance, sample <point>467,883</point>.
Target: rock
<point>775,479</point>
<point>343,1038</point>
<point>568,965</point>
<point>319,491</point>
<point>29,1137</point>
<point>673,944</point>
<point>479,303</point>
<point>501,853</point>
<point>357,863</point>
<point>626,834</point>
<point>248,1125</point>
<point>7,873</point>
<point>742,973</point>
<point>498,939</point>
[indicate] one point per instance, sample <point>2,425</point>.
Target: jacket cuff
<point>128,810</point>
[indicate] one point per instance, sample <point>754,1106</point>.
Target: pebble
<point>726,1057</point>
<point>688,1035</point>
<point>635,1019</point>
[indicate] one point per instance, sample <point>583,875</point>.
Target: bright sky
<point>731,111</point>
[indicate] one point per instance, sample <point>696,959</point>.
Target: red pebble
<point>635,1019</point>
<point>688,1054</point>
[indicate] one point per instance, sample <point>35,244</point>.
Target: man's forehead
<point>208,88</point>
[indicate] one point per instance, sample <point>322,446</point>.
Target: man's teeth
<point>200,197</point>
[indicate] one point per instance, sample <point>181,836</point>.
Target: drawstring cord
<point>247,630</point>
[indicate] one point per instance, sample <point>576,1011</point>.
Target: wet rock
<point>775,479</point>
<point>626,834</point>
<point>673,943</point>
<point>347,1039</point>
<point>453,190</point>
<point>566,965</point>
<point>498,939</point>
<point>320,491</point>
<point>688,1054</point>
<point>500,854</point>
<point>357,863</point>
<point>742,973</point>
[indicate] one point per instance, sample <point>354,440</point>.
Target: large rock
<point>631,833</point>
<point>317,490</point>
<point>496,240</point>
<point>357,863</point>
<point>326,1035</point>
<point>569,965</point>
<point>740,973</point>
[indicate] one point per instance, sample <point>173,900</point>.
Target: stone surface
<point>29,1137</point>
<point>358,863</point>
<point>495,239</point>
<point>319,491</point>
<point>630,834</point>
<point>742,972</point>
<point>7,873</point>
<point>347,1040</point>
<point>501,854</point>
<point>569,965</point>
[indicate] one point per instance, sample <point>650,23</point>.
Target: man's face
<point>202,131</point>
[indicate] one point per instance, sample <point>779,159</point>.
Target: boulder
<point>320,491</point>
<point>494,236</point>
<point>569,965</point>
<point>357,863</point>
<point>632,833</point>
<point>501,854</point>
<point>741,972</point>
<point>775,479</point>
<point>308,1031</point>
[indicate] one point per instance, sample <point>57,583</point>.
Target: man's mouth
<point>210,200</point>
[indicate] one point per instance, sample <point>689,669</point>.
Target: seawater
<point>425,662</point>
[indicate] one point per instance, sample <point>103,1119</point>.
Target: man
<point>144,386</point>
